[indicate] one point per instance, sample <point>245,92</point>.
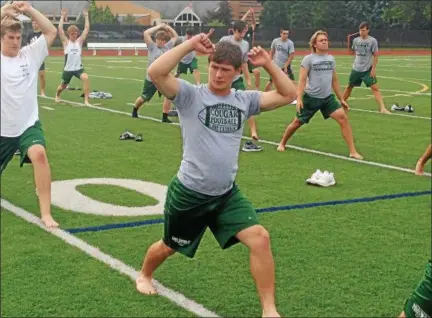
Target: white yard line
<point>176,297</point>
<point>327,154</point>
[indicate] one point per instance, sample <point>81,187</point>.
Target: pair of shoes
<point>130,136</point>
<point>173,113</point>
<point>323,179</point>
<point>249,146</point>
<point>408,108</point>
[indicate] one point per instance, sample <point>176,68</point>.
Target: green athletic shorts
<point>238,84</point>
<point>42,67</point>
<point>356,78</point>
<point>33,135</point>
<point>420,303</point>
<point>187,214</point>
<point>311,105</point>
<point>149,90</point>
<point>67,75</point>
<point>182,68</point>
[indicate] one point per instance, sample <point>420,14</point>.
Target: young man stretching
<point>240,28</point>
<point>249,37</point>
<point>365,48</point>
<point>204,194</point>
<point>422,161</point>
<point>155,50</point>
<point>20,125</point>
<point>319,69</point>
<point>72,46</point>
<point>282,54</point>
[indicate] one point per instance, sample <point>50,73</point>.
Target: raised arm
<point>61,33</point>
<point>285,91</point>
<point>160,70</point>
<point>174,35</point>
<point>148,33</point>
<point>8,10</point>
<point>245,15</point>
<point>47,28</point>
<point>86,30</point>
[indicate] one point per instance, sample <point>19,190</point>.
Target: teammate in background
<point>315,94</point>
<point>155,50</point>
<point>422,161</point>
<point>72,46</point>
<point>204,194</point>
<point>249,37</point>
<point>282,54</point>
<point>32,38</point>
<point>365,49</point>
<point>20,125</point>
<point>240,28</point>
<point>189,62</point>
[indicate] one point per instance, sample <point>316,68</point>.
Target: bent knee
<point>37,154</point>
<point>165,249</point>
<point>84,76</point>
<point>256,238</point>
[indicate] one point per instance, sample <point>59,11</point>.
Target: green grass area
<point>356,260</point>
<point>116,195</point>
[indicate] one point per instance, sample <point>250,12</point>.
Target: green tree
<point>222,14</point>
<point>129,19</point>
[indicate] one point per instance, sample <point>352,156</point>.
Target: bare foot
<point>281,148</point>
<point>419,168</point>
<point>57,99</point>
<point>269,314</point>
<point>145,286</point>
<point>87,103</point>
<point>255,137</point>
<point>356,155</point>
<point>49,221</point>
<point>42,94</point>
<point>384,111</point>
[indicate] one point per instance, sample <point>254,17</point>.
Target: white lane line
<point>176,297</point>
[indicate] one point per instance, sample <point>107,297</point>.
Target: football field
<point>356,249</point>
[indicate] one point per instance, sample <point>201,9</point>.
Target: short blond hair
<point>313,39</point>
<point>72,28</point>
<point>11,25</point>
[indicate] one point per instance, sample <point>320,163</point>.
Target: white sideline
<point>371,163</point>
<point>176,297</point>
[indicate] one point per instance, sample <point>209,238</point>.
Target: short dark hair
<point>227,52</point>
<point>364,25</point>
<point>283,29</point>
<point>239,26</point>
<point>189,32</point>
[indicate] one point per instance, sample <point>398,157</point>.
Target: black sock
<point>164,115</point>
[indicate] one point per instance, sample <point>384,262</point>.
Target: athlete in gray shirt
<point>204,194</point>
<point>282,53</point>
<point>365,49</point>
<point>317,79</point>
<point>165,39</point>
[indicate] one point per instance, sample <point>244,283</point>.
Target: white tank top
<point>73,56</point>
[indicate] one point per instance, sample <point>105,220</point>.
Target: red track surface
<point>144,53</point>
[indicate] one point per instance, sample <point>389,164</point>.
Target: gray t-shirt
<point>364,50</point>
<point>244,46</point>
<point>320,74</point>
<point>154,52</point>
<point>282,50</point>
<point>187,59</point>
<point>212,128</point>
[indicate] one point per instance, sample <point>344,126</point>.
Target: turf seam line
<point>176,297</point>
<point>327,154</point>
<point>113,226</point>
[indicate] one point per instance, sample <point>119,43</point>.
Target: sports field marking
<point>48,108</point>
<point>176,297</point>
<point>395,114</point>
<point>327,154</point>
<point>141,81</point>
<point>105,227</point>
